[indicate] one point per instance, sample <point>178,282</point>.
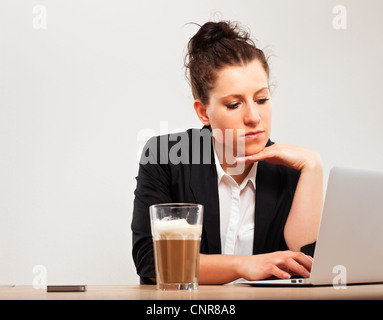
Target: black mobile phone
<point>67,288</point>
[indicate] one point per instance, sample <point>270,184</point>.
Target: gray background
<point>79,99</point>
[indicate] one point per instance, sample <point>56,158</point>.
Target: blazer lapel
<point>204,186</point>
<point>265,200</point>
<point>266,197</point>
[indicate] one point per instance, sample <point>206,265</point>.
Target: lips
<point>253,134</point>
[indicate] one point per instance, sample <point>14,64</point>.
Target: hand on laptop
<point>281,264</point>
<point>221,268</point>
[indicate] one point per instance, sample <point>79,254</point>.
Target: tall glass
<point>176,230</point>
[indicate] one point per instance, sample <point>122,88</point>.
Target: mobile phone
<point>67,288</point>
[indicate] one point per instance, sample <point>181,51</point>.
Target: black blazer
<point>160,180</point>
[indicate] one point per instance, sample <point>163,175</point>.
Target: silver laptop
<point>349,248</point>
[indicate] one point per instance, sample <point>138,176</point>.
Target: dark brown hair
<point>217,45</point>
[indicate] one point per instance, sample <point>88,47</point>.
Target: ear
<point>200,109</point>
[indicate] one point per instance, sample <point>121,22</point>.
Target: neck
<point>227,160</point>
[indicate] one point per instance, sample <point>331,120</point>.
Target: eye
<point>232,106</point>
<point>262,101</point>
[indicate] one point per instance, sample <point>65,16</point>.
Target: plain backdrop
<point>79,98</point>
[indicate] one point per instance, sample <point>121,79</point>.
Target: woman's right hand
<point>222,268</point>
<point>280,264</point>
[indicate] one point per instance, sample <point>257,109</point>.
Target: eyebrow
<point>239,95</point>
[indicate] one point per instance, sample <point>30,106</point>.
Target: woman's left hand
<point>298,158</point>
<point>303,222</point>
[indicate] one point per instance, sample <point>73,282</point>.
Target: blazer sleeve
<point>153,187</point>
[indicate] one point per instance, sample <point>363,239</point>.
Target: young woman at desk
<point>258,221</point>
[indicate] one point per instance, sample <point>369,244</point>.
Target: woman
<point>262,200</point>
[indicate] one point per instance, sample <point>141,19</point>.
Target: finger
<point>279,273</point>
<point>304,260</point>
<point>297,268</point>
<point>263,155</point>
<point>245,159</point>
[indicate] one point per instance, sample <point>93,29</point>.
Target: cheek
<point>266,117</point>
<point>269,115</point>
<point>220,124</point>
<point>218,119</point>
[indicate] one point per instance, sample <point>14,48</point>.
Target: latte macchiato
<point>176,240</point>
<point>177,246</point>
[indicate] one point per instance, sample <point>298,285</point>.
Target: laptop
<point>349,248</point>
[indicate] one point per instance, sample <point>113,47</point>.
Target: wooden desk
<point>225,292</point>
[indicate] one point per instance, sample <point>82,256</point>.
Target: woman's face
<point>240,101</point>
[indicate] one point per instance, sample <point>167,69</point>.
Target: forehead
<point>240,79</point>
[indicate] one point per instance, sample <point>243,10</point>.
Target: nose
<point>251,116</point>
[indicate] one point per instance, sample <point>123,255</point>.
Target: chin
<point>255,148</point>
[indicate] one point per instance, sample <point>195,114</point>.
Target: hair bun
<point>211,33</point>
<point>221,31</point>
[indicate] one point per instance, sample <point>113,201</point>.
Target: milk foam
<point>175,229</point>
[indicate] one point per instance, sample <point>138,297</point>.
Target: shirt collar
<point>221,173</point>
<point>252,174</point>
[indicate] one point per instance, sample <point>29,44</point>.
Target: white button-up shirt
<point>237,209</point>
